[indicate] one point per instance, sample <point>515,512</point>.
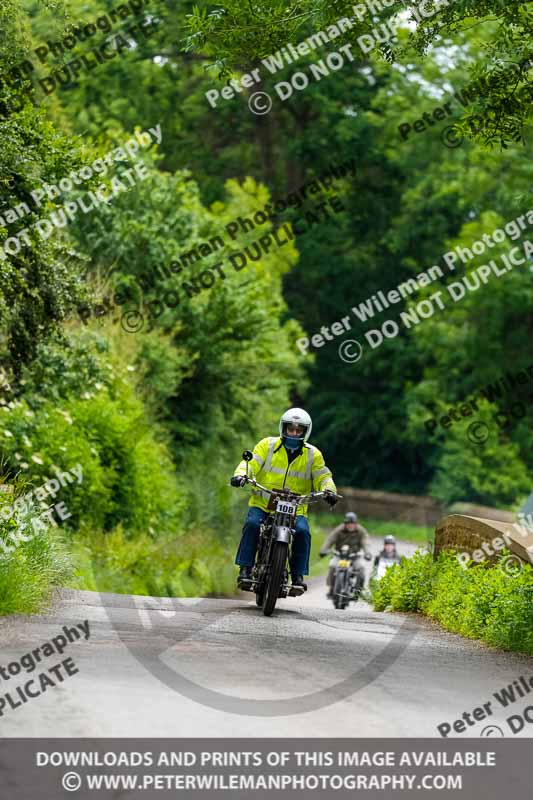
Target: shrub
<point>482,602</point>
<point>405,587</point>
<point>32,566</point>
<point>194,564</point>
<point>128,476</point>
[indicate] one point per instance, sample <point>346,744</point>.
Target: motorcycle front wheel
<point>340,590</point>
<point>275,577</point>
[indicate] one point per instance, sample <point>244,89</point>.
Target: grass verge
<point>481,602</point>
<point>31,572</point>
<point>34,558</point>
<point>195,564</point>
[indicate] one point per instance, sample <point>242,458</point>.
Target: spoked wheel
<point>339,591</point>
<point>275,578</point>
<point>359,586</point>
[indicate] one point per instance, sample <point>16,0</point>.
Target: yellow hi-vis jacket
<point>270,466</point>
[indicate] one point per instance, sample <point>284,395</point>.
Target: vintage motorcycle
<point>349,578</point>
<point>270,575</point>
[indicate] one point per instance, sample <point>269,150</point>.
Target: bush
<point>128,476</point>
<point>32,566</point>
<point>482,602</point>
<point>194,564</point>
<point>405,587</point>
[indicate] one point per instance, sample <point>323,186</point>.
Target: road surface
<point>218,667</point>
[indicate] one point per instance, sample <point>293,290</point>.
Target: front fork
<point>279,533</point>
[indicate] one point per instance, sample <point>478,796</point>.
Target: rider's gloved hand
<point>238,480</point>
<point>330,497</point>
<point>368,556</point>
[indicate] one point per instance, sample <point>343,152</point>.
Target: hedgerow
<point>481,602</point>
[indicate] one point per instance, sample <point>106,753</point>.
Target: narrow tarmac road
<point>215,667</point>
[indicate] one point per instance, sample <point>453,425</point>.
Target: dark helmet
<point>389,540</point>
<point>350,517</point>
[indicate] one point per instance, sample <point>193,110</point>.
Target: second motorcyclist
<point>352,534</point>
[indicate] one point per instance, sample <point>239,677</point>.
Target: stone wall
<point>390,506</point>
<point>416,509</point>
<point>462,533</point>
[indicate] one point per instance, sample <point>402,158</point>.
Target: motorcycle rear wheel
<point>273,585</point>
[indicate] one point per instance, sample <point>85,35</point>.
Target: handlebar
<point>299,499</point>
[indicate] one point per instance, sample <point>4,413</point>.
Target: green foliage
<point>42,281</point>
<point>158,419</point>
<point>489,473</point>
<point>407,586</point>
<point>204,359</point>
<point>106,430</point>
<point>194,565</point>
<point>481,602</point>
<point>35,564</point>
<point>411,201</point>
<point>234,35</point>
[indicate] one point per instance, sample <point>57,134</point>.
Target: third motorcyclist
<point>387,558</point>
<point>352,534</point>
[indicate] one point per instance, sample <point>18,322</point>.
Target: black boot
<point>245,575</point>
<point>298,580</point>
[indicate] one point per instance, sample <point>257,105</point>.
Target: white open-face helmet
<point>296,416</point>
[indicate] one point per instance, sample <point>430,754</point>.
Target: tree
<point>499,82</point>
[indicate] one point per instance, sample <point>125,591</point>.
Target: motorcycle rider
<point>352,534</point>
<point>281,461</point>
<point>387,558</point>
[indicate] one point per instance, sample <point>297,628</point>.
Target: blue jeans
<point>301,543</point>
